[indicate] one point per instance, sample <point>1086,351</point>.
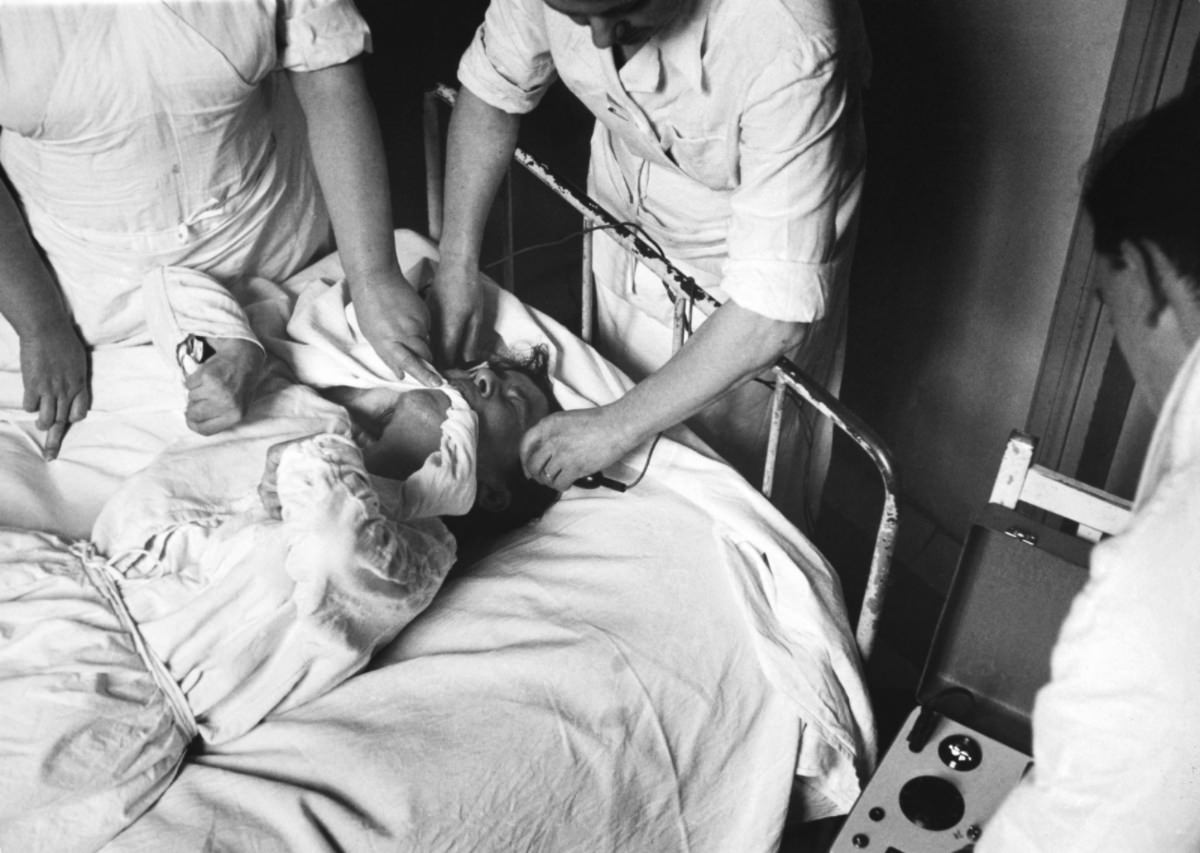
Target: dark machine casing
<point>1012,589</point>
<point>1015,581</point>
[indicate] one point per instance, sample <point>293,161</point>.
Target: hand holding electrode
<point>568,446</point>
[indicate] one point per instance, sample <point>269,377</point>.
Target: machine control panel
<point>933,791</point>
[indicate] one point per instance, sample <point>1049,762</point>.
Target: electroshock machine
<point>967,742</point>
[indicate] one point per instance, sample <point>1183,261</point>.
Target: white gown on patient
<point>238,615</point>
<point>250,614</point>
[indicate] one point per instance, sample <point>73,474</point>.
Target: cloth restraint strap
<point>98,571</point>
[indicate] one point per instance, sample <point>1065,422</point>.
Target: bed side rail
<point>685,293</point>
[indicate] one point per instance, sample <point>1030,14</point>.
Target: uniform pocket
<point>707,158</point>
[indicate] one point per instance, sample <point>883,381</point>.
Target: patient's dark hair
<point>1144,184</point>
<point>528,499</point>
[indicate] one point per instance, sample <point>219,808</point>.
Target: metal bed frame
<point>685,292</point>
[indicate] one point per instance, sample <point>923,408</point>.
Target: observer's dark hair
<point>1144,184</point>
<point>528,499</point>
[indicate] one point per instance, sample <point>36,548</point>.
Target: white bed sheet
<point>634,672</point>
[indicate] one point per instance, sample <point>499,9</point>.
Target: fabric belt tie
<point>98,571</point>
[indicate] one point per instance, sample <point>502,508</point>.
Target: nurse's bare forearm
<point>29,297</point>
<point>479,150</point>
<point>347,151</point>
<point>731,347</point>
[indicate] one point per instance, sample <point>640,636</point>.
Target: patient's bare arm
<point>53,358</point>
<point>399,429</point>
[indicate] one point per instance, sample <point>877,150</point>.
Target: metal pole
<point>889,521</point>
<point>508,274</point>
<point>777,395</point>
<point>679,324</point>
<point>587,296</point>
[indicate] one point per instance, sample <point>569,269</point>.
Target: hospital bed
<point>654,670</point>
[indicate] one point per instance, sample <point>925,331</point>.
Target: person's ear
<point>1142,273</point>
<point>492,497</point>
<point>1179,292</point>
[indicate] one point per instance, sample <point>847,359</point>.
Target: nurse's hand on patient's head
<point>462,326</point>
<point>219,389</point>
<point>54,368</point>
<point>395,320</point>
<point>566,446</point>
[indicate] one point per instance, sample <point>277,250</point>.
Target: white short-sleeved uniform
<point>734,139</point>
<point>140,135</point>
<point>147,134</point>
<point>1116,747</point>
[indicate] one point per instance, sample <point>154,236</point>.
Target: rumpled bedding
<point>195,612</point>
<point>639,671</point>
<point>88,740</point>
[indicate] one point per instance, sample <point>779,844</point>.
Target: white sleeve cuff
<point>322,33</point>
<point>502,88</point>
<point>181,302</point>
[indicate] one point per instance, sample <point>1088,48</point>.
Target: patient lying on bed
<point>240,575</point>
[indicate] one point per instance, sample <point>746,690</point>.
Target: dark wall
<point>980,116</point>
<point>415,46</point>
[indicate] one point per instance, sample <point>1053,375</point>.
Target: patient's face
<point>507,403</point>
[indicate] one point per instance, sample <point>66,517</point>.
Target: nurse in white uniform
<point>729,131</point>
<point>137,136</point>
